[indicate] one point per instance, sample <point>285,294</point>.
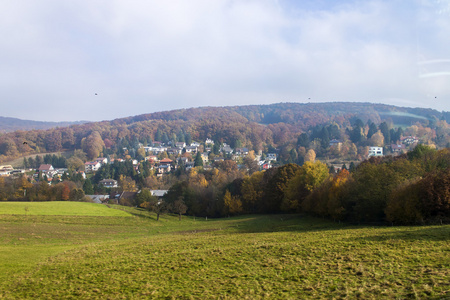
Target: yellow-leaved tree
<point>232,205</point>
<point>307,178</point>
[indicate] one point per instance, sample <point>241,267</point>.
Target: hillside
<point>256,126</point>
<point>12,124</point>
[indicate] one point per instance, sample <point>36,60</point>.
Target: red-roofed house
<point>165,161</point>
<point>46,168</point>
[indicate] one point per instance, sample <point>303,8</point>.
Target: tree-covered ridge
<point>257,127</point>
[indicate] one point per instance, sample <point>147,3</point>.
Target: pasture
<point>272,256</point>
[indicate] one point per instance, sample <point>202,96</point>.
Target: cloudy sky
<point>105,59</point>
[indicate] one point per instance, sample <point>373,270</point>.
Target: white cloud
<point>143,56</point>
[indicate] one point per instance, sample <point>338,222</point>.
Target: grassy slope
<point>61,208</point>
<point>285,257</point>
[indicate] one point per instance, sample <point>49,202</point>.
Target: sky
<point>106,59</point>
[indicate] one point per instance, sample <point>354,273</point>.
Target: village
<point>165,158</point>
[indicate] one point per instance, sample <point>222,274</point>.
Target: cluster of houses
<point>45,171</point>
<point>166,165</point>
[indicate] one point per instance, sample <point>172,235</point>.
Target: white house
<point>191,149</point>
<point>271,156</point>
<point>180,145</point>
<point>226,149</point>
<point>109,183</point>
<point>92,166</point>
<point>375,151</point>
<point>174,151</point>
<point>241,151</point>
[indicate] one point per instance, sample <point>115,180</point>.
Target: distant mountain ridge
<point>8,124</point>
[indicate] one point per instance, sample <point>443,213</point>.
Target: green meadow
<point>67,250</point>
<point>61,208</point>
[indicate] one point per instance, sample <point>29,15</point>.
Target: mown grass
<point>247,257</point>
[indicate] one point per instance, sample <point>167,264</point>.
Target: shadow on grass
<point>428,233</point>
<point>137,212</point>
<point>304,223</point>
<point>284,223</point>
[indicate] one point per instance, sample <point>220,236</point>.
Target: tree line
<point>409,189</point>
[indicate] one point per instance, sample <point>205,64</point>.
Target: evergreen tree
<point>38,161</point>
<point>384,128</point>
<point>31,162</point>
<point>372,130</point>
<point>158,135</point>
<point>188,138</point>
<point>325,137</point>
<point>198,162</point>
<point>303,140</point>
<point>356,135</point>
<point>88,188</point>
<point>352,167</point>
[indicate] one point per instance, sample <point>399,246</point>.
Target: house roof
<point>108,180</point>
<point>45,167</point>
<point>127,195</point>
<point>398,146</point>
<point>166,160</point>
<point>158,193</point>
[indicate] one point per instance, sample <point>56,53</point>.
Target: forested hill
<point>303,115</point>
<point>256,127</point>
<point>12,124</point>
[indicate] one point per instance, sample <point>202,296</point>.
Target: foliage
<point>232,204</point>
<point>408,189</point>
<point>306,179</point>
<point>275,182</point>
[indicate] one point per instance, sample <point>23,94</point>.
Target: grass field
<point>59,208</point>
<point>247,257</point>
